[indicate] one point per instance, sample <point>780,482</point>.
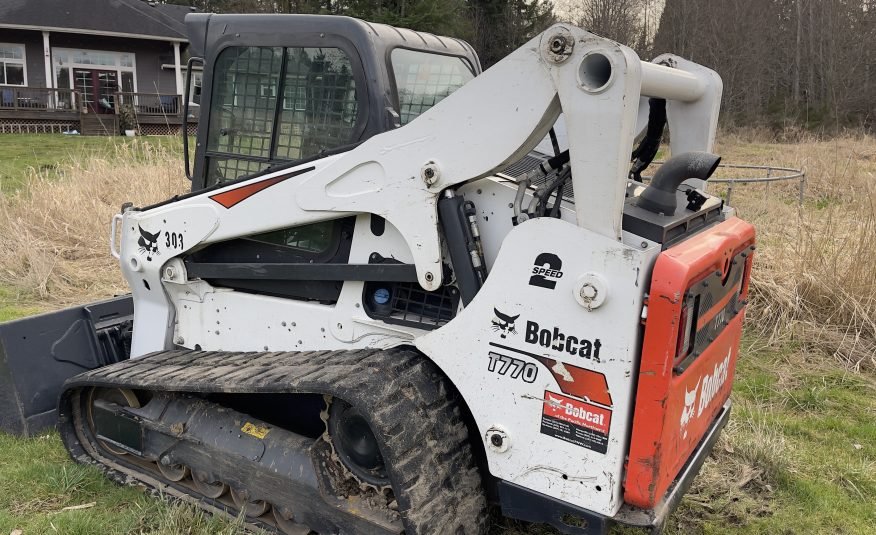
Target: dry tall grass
<point>814,282</point>
<point>55,234</point>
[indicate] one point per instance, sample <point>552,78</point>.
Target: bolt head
<point>497,439</point>
<point>588,292</point>
<point>558,47</point>
<point>430,173</point>
<point>558,44</point>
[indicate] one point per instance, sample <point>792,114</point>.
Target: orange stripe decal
<point>582,383</point>
<point>235,196</point>
<point>579,382</point>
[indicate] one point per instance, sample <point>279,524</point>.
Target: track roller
<point>208,485</point>
<point>252,508</point>
<point>284,519</point>
<point>173,472</point>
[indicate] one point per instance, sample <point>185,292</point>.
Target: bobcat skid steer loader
<point>381,310</point>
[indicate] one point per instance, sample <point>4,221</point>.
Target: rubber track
<point>412,411</point>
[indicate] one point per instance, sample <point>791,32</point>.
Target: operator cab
<point>283,89</point>
<point>280,90</point>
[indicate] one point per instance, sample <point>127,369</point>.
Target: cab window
<point>315,238</point>
<point>423,79</point>
<point>277,104</point>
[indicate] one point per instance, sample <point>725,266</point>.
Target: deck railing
<point>38,99</point>
<point>163,104</point>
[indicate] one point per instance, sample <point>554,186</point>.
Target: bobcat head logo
<point>554,402</point>
<point>688,411</point>
<point>504,324</point>
<point>148,243</point>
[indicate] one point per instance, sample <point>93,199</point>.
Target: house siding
<point>41,114</point>
<point>33,49</point>
<point>149,56</point>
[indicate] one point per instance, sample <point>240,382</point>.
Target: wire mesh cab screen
<point>423,79</point>
<point>277,104</point>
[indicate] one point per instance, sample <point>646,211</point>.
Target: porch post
<point>47,54</point>
<point>178,70</point>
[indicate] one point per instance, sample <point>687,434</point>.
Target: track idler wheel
<point>120,396</point>
<point>285,521</point>
<point>252,508</point>
<point>207,485</point>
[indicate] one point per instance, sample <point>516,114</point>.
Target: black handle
<point>185,119</point>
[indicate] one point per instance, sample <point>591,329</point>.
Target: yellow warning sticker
<point>255,430</point>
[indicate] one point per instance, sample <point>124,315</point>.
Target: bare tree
<point>783,62</point>
<point>619,20</point>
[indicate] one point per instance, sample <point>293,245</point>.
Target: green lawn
<point>23,155</point>
<point>799,455</point>
<point>38,480</point>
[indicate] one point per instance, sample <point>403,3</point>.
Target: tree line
<point>493,27</point>
<point>785,63</point>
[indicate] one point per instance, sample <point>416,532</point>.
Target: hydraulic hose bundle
<point>538,207</point>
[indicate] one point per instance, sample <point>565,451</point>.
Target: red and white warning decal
<point>581,423</point>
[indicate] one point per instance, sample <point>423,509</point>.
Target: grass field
<point>49,155</point>
<point>799,455</point>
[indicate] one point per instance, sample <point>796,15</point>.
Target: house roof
<point>129,18</point>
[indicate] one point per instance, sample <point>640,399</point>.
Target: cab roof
<point>204,28</point>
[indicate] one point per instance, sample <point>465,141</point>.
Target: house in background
<point>89,64</point>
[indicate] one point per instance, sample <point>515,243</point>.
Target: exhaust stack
<point>659,197</point>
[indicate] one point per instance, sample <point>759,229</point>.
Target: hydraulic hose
<point>644,154</point>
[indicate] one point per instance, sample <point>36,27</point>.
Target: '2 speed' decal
<point>546,271</point>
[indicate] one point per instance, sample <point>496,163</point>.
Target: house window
<point>67,61</point>
<point>96,75</point>
<point>12,65</point>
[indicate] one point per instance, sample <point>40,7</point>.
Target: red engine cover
<point>695,310</point>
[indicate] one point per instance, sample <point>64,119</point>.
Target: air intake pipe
<point>660,195</point>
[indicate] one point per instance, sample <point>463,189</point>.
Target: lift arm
<point>491,122</point>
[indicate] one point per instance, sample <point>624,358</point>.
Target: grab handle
<point>116,254</point>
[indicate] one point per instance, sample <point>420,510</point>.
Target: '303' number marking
<point>517,369</point>
<point>173,240</point>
